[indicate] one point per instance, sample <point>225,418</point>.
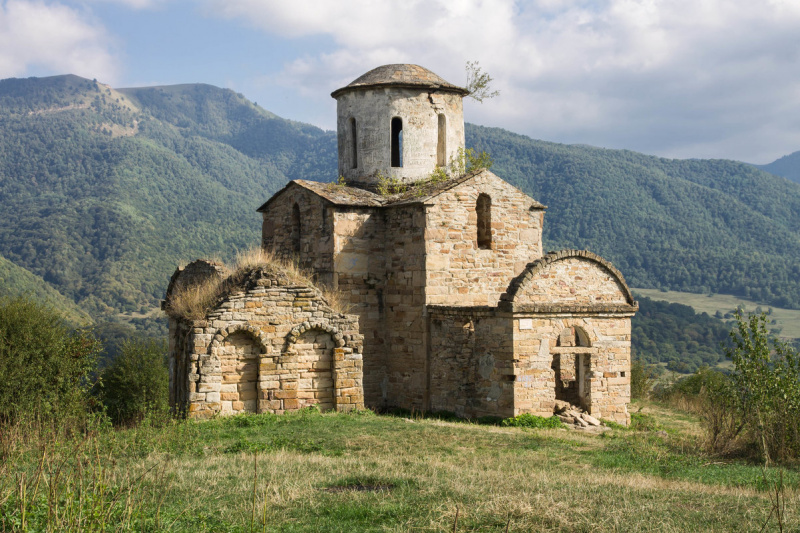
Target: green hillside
<point>689,225</point>
<point>16,281</point>
<point>787,166</point>
<point>104,192</point>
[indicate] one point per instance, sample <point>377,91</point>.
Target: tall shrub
<point>45,365</point>
<point>767,386</point>
<point>136,383</point>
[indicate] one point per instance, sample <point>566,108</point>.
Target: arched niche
<point>237,352</point>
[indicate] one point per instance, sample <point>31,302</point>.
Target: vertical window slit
<point>296,228</point>
<point>397,142</point>
<point>354,144</point>
<point>484,211</point>
<point>441,145</point>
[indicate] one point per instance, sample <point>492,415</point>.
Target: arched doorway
<point>572,367</point>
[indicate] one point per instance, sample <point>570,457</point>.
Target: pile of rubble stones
<point>575,418</point>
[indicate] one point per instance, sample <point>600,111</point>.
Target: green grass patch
<point>314,471</point>
<point>526,420</point>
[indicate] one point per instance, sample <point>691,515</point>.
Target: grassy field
<point>787,319</point>
<point>364,472</point>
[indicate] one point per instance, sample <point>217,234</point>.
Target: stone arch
<point>237,352</point>
<point>312,349</point>
<point>573,336</point>
<point>298,330</point>
<point>531,286</point>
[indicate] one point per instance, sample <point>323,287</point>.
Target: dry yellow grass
<point>188,478</point>
<point>194,301</point>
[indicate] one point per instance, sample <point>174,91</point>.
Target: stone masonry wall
<point>315,240</point>
<point>572,322</point>
<point>471,362</point>
<point>373,110</point>
<point>458,271</point>
<point>576,281</point>
<point>608,378</point>
<point>404,322</point>
<point>270,346</point>
<point>360,278</point>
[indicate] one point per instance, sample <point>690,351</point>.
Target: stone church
<point>455,306</point>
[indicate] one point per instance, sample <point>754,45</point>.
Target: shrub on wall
<point>136,383</point>
<point>45,365</point>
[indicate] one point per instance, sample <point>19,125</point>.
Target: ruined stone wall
<point>373,110</point>
<point>459,272</point>
<point>471,362</point>
<point>178,364</point>
<point>606,360</point>
<point>313,246</point>
<point>271,346</point>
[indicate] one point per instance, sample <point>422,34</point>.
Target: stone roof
<point>401,75</point>
<point>346,195</point>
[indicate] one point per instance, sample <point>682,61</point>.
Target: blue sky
<point>676,78</point>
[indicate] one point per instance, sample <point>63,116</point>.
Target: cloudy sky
<point>676,78</point>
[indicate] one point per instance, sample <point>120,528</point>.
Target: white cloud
<point>134,4</point>
<point>53,38</point>
<point>684,78</point>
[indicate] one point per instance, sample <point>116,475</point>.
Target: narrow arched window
<point>296,229</point>
<point>397,142</point>
<point>441,145</point>
<point>354,144</point>
<point>484,209</point>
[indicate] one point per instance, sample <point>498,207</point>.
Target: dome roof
<point>402,75</point>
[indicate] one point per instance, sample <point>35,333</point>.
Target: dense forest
<point>674,334</point>
<point>787,166</point>
<point>104,192</point>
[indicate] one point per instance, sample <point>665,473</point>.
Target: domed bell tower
<point>397,121</point>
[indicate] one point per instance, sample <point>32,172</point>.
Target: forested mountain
<point>104,192</point>
<point>687,225</point>
<point>787,166</point>
<point>15,281</point>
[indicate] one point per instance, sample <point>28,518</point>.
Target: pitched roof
<point>418,193</point>
<point>400,75</point>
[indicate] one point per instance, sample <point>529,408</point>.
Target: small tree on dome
<point>478,82</point>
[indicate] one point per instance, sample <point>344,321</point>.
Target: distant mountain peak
<point>787,166</point>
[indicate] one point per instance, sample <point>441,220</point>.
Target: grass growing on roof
<point>194,301</point>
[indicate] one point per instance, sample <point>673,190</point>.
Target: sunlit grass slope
<point>363,472</point>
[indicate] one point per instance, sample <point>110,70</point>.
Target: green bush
<point>45,364</point>
<point>526,420</point>
<point>136,384</point>
<point>642,377</point>
<point>766,386</point>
